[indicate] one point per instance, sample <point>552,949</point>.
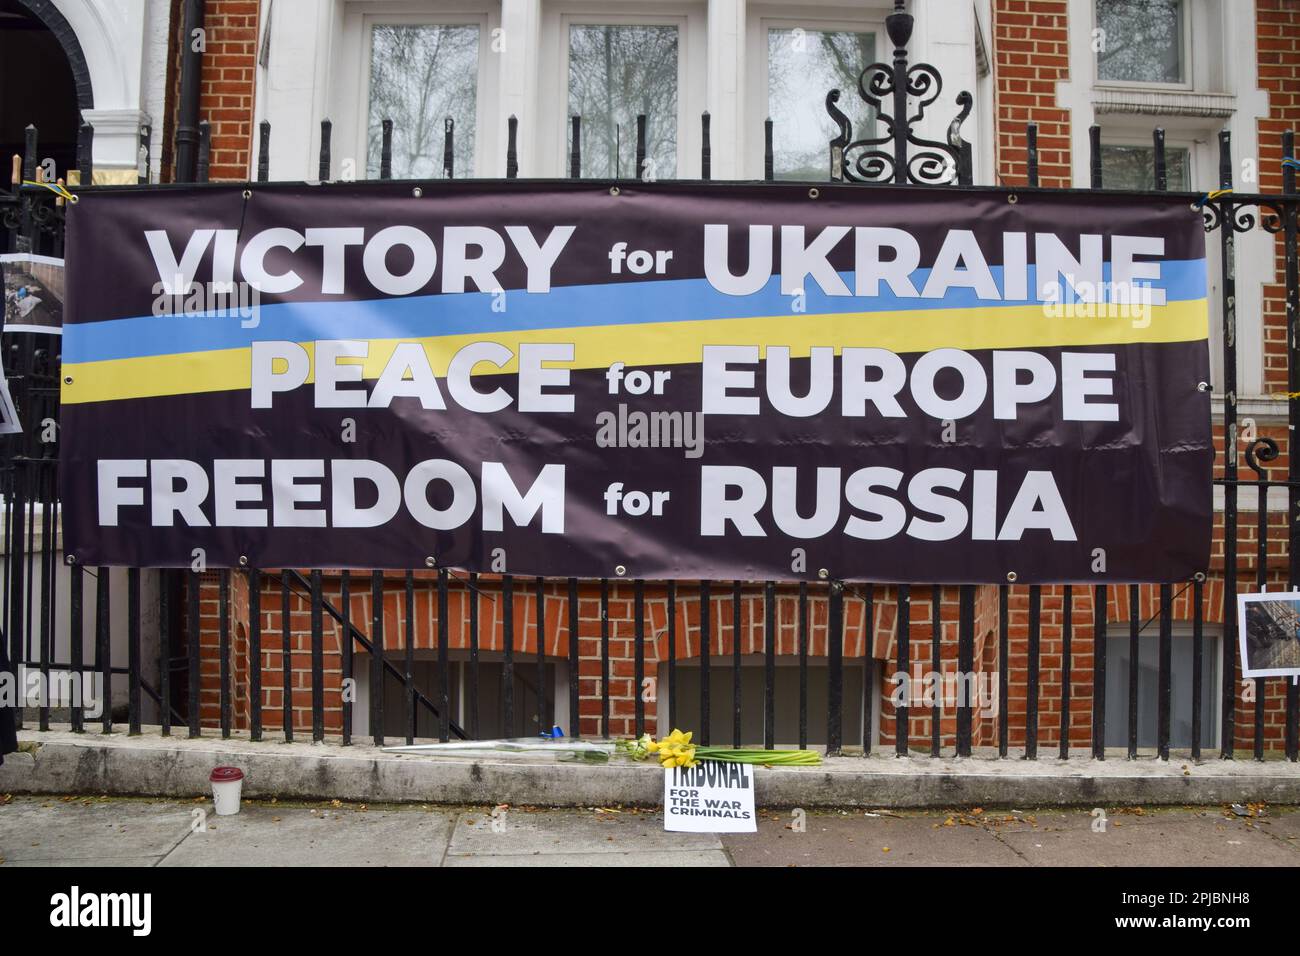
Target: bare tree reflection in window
<point>1134,167</point>
<point>801,66</point>
<point>615,73</point>
<point>419,75</point>
<point>1141,41</point>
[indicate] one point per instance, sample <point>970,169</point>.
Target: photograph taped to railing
<point>1269,632</point>
<point>759,386</point>
<point>33,293</point>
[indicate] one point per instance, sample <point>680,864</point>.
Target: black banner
<point>651,381</point>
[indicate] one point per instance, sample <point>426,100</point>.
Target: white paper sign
<point>1268,627</point>
<point>712,797</point>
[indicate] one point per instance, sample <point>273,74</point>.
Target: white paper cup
<point>227,784</point>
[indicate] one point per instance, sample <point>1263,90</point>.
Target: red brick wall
<point>622,634</point>
<point>226,100</point>
<point>1278,44</point>
<point>1029,57</point>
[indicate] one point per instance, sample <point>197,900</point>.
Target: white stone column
<point>292,89</point>
<point>117,142</point>
<point>517,48</point>
<point>114,37</point>
<point>944,37</point>
<point>726,101</point>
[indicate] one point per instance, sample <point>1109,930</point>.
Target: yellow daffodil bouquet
<point>677,750</point>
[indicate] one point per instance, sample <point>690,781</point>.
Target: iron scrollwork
<point>889,158</point>
<point>1261,450</point>
<point>1216,213</point>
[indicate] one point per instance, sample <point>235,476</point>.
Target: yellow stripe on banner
<point>678,343</point>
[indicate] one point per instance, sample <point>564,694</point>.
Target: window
<point>420,74</point>
<point>802,65</point>
<point>753,695</point>
<point>1140,41</point>
<point>1134,167</point>
<point>616,72</point>
<point>529,720</point>
<point>1180,707</point>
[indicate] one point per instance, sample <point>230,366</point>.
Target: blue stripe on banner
<point>617,303</point>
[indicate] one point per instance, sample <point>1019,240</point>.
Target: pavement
<point>87,831</point>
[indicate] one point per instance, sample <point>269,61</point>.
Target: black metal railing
<point>44,604</point>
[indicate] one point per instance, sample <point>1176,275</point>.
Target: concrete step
<point>59,761</point>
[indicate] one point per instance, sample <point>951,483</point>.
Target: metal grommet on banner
<point>1013,198</point>
<point>417,192</point>
<point>1199,577</point>
<point>1202,386</point>
<point>243,560</point>
<point>823,573</point>
<point>430,562</point>
<point>1011,577</point>
<point>248,194</point>
<point>620,570</point>
<point>69,559</point>
<point>614,190</point>
<point>814,193</point>
<point>74,199</point>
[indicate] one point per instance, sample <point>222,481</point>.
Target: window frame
<point>360,19</point>
<point>758,27</point>
<point>1171,143</point>
<point>1185,58</point>
<point>691,24</point>
<point>1213,636</point>
<point>1202,170</point>
<point>873,687</point>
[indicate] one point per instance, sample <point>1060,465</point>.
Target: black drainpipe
<point>187,127</point>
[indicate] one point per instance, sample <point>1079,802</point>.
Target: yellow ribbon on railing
<point>56,188</point>
<point>1211,195</point>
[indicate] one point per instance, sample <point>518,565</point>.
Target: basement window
<point>1180,706</point>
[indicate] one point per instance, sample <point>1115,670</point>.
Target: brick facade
<point>227,88</point>
<point>1278,42</point>
<point>1030,55</point>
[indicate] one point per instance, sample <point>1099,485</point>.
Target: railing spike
<point>204,163</point>
<point>512,147</point>
<point>1158,147</point>
<point>323,168</point>
<point>1094,156</point>
<point>640,146</point>
<point>449,148</point>
<point>386,149</point>
<point>706,149</point>
<point>769,166</point>
<point>264,152</point>
<point>575,148</point>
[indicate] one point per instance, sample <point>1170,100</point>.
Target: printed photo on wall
<point>33,293</point>
<point>1268,625</point>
